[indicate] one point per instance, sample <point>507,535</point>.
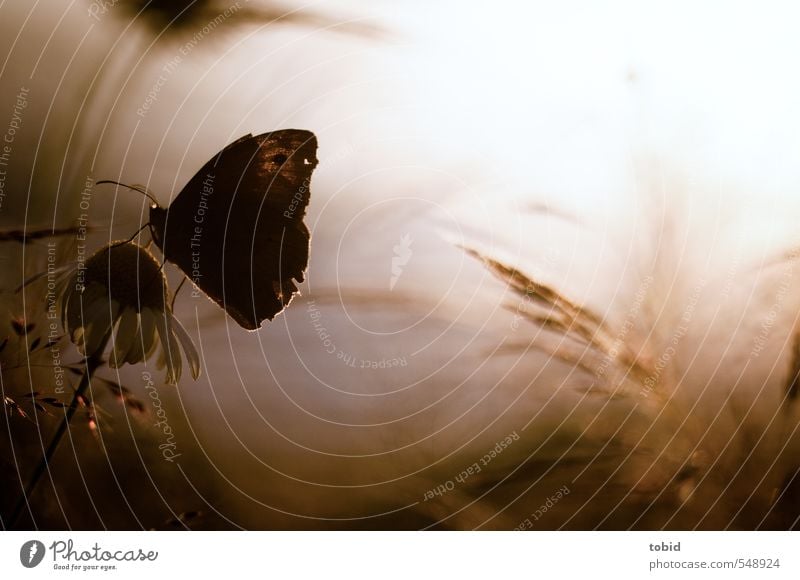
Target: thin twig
<point>93,362</point>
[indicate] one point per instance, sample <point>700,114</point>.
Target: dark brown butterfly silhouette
<point>236,229</point>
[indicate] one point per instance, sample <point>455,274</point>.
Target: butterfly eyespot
<point>280,158</point>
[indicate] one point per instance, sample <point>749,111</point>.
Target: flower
<point>121,295</point>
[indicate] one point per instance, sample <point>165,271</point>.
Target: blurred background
<point>552,280</point>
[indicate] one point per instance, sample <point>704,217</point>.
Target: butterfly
<point>236,229</point>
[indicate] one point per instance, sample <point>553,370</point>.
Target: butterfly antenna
<point>141,189</point>
<point>123,242</point>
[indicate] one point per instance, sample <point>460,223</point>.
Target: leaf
<point>53,402</point>
<point>124,395</point>
<point>112,386</point>
<point>136,405</point>
<point>19,326</point>
<point>29,235</point>
<point>13,407</point>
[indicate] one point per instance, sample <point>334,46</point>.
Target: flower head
<point>121,296</point>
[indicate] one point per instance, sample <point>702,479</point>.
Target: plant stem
<point>92,363</point>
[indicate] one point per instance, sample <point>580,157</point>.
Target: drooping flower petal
<point>148,327</point>
<point>188,347</point>
<point>135,354</point>
<point>55,275</point>
<point>174,352</point>
<point>76,305</point>
<point>125,337</point>
<point>85,311</point>
<point>169,357</point>
<point>103,313</point>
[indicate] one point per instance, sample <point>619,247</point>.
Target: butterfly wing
<point>236,229</point>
